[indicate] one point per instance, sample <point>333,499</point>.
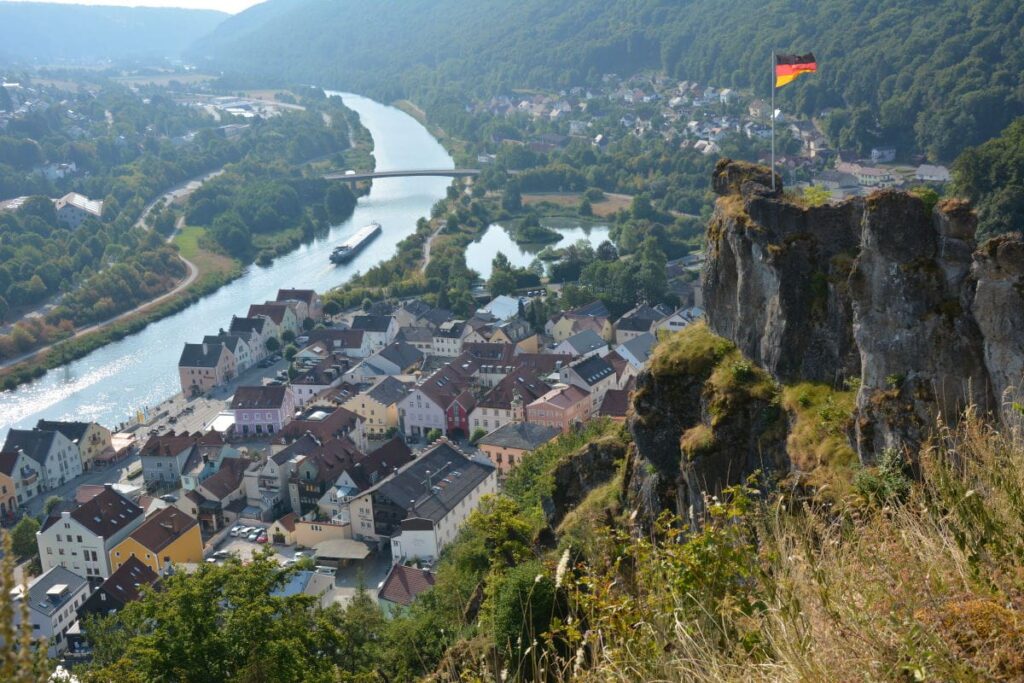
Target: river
<point>112,382</point>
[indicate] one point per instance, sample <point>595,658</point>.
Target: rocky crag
<point>885,292</point>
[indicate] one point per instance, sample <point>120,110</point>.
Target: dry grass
<point>930,588</point>
<point>610,205</point>
<point>189,241</point>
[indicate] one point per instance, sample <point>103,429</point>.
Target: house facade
<point>262,411</point>
<point>73,209</point>
<point>166,537</point>
<point>19,481</point>
<point>379,330</point>
<point>91,439</point>
<point>57,458</point>
<point>165,458</point>
<point>506,446</point>
<point>422,521</point>
<point>378,406</point>
<point>81,539</point>
<point>203,367</point>
<point>563,407</point>
<point>53,600</point>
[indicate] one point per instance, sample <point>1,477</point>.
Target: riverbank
<point>207,270</point>
<point>453,145</point>
<point>110,384</point>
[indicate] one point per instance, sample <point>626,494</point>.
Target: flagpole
<point>772,114</point>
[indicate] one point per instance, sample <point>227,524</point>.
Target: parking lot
<point>368,573</point>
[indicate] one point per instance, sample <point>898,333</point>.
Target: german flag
<point>788,67</point>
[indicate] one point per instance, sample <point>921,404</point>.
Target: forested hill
<point>937,74</point>
<point>47,31</point>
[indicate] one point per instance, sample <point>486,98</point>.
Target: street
<point>109,475</point>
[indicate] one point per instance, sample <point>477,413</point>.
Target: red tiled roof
<point>404,584</point>
<point>162,528</point>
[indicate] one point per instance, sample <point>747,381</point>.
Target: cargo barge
<point>347,250</point>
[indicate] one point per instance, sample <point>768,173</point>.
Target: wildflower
<point>563,565</point>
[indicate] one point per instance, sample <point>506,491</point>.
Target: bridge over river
<point>439,173</point>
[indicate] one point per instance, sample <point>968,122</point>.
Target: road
<point>193,273</point>
<point>108,475</point>
<point>177,192</point>
<point>427,245</point>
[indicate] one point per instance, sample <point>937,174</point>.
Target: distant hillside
<point>49,32</point>
<point>926,75</point>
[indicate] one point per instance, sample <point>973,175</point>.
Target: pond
<point>496,239</point>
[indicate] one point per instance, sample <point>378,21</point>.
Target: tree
<point>288,336</point>
<point>332,308</point>
<point>23,537</point>
<point>290,351</point>
<point>20,662</point>
<point>273,345</point>
<point>433,435</point>
<point>501,282</point>
<point>606,251</point>
<point>585,208</point>
<point>367,305</point>
<point>222,622</point>
<point>51,503</point>
<point>308,324</point>
<point>478,434</point>
<point>816,195</point>
<point>512,199</point>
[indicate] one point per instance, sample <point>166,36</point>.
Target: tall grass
<point>927,586</point>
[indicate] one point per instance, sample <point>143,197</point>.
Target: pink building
<point>563,408</point>
<point>262,410</point>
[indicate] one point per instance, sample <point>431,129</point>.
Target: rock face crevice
<point>881,288</point>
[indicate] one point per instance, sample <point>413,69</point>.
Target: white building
<point>422,507</point>
<point>379,330</point>
<point>53,601</point>
<point>59,460</point>
<point>81,540</point>
<point>73,209</point>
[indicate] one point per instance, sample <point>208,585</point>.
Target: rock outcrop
<point>703,418</point>
<point>881,288</point>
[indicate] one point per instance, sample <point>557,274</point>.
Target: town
<point>352,444</point>
<point>700,117</point>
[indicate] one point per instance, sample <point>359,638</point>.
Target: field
<point>612,203</point>
<point>188,241</point>
<point>165,79</point>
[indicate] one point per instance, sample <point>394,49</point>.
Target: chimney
<point>206,349</point>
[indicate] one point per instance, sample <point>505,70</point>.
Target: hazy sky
<point>232,6</point>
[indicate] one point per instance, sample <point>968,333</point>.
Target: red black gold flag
<point>788,67</point>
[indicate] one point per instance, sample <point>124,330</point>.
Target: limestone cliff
<point>878,288</point>
<point>703,418</point>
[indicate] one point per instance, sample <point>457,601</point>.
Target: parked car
<point>262,538</point>
<point>329,571</point>
<point>237,530</point>
<point>253,536</point>
<point>221,554</point>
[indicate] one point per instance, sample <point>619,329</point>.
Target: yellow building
<point>165,538</point>
<point>378,406</point>
<point>311,534</point>
<point>569,324</point>
<point>282,531</point>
